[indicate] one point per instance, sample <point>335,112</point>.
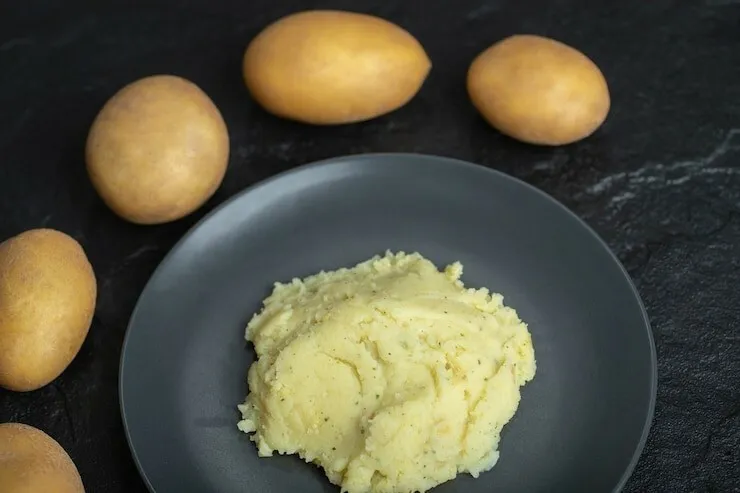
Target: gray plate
<point>582,421</point>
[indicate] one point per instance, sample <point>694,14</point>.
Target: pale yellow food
<point>538,90</point>
<point>328,67</point>
<point>47,301</point>
<point>33,462</point>
<point>157,150</point>
<point>392,376</point>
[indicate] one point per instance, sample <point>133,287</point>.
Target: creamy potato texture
<point>392,376</point>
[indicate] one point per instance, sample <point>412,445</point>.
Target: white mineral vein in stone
<point>668,175</point>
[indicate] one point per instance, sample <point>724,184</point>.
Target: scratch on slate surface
<point>73,32</point>
<point>139,252</point>
<point>483,11</point>
<point>117,268</point>
<point>14,43</point>
<point>721,3</point>
<point>67,414</point>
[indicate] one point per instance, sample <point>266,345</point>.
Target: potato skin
<point>538,90</point>
<point>33,462</point>
<point>157,150</point>
<point>328,67</point>
<point>47,300</point>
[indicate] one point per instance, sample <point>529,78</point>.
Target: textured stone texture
<point>660,181</point>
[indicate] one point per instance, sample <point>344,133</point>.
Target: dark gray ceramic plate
<point>581,423</point>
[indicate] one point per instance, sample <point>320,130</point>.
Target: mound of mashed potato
<point>391,376</point>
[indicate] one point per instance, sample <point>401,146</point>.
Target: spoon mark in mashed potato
<point>392,376</point>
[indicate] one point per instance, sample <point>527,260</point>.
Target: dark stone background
<point>660,181</point>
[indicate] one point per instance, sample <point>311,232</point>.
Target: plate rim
<point>649,417</point>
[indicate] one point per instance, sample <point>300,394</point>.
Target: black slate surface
<point>660,181</point>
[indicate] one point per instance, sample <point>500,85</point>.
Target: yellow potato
<point>157,150</point>
<point>33,462</point>
<point>329,67</point>
<point>538,90</point>
<point>47,301</point>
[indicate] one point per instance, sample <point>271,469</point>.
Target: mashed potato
<point>392,376</point>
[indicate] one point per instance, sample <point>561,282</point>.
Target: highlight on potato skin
<point>329,67</point>
<point>48,292</point>
<point>33,462</point>
<point>538,90</point>
<point>157,150</point>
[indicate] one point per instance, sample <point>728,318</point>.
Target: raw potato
<point>33,462</point>
<point>538,90</point>
<point>47,301</point>
<point>328,67</point>
<point>157,150</point>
